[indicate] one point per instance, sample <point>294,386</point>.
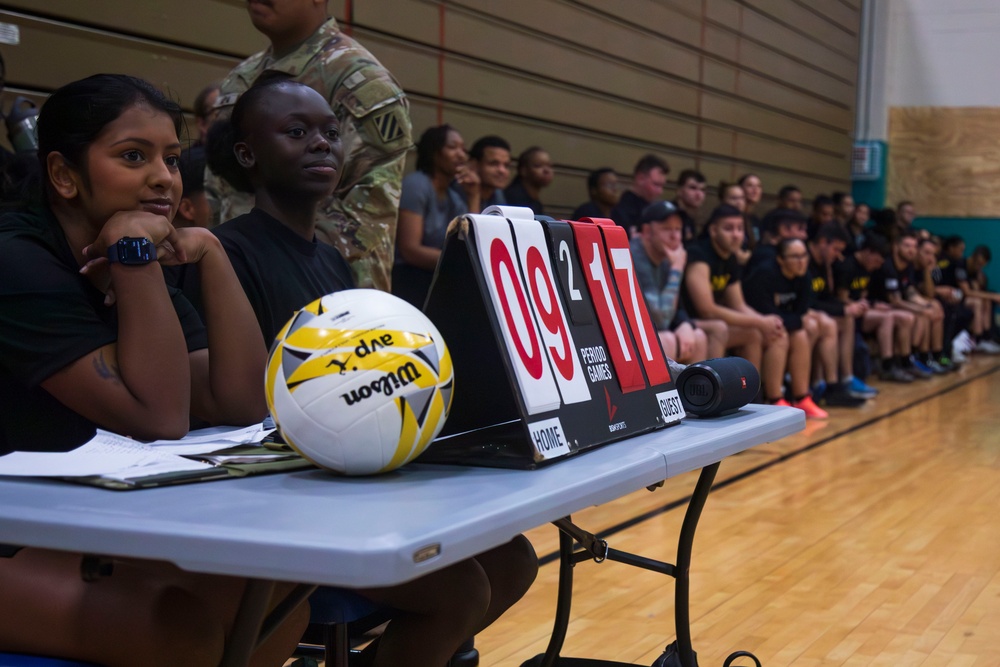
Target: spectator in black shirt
<point>713,289</point>
<point>534,174</point>
<point>824,252</point>
<point>604,192</point>
<point>754,192</point>
<point>822,213</point>
<point>896,283</point>
<point>648,180</point>
<point>690,196</point>
<point>893,329</point>
<point>781,223</point>
<point>932,286</point>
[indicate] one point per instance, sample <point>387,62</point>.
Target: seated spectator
<point>781,287</point>
<point>732,194</point>
<point>427,204</point>
<point>781,223</point>
<point>534,174</point>
<point>435,613</point>
<point>648,180</point>
<point>754,193</point>
<point>604,193</point>
<point>822,213</point>
<point>825,250</point>
<point>843,207</point>
<point>204,110</point>
<point>932,286</point>
<point>659,259</point>
<point>712,290</point>
<point>690,197</point>
<point>91,341</point>
<point>790,197</point>
<point>857,224</point>
<point>983,299</point>
<point>893,329</point>
<point>906,213</point>
<point>194,209</point>
<point>490,159</point>
<point>896,283</point>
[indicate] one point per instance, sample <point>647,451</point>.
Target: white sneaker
<point>987,347</point>
<point>963,343</point>
<point>957,357</point>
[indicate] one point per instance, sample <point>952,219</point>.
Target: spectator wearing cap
<point>713,289</point>
<point>659,258</point>
<point>604,193</point>
<point>649,177</point>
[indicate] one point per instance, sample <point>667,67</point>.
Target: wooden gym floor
<point>872,538</point>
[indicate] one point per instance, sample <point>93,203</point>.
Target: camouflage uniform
<point>359,219</point>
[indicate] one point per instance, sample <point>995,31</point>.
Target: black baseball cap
<point>657,211</point>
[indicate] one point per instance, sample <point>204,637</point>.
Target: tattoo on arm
<point>106,370</point>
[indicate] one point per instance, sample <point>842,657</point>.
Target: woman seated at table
<point>285,141</point>
<point>93,338</point>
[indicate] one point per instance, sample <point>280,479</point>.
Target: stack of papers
<point>113,460</point>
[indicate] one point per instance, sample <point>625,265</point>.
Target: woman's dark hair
<point>224,134</point>
<point>431,142</point>
<point>743,179</point>
<point>75,114</point>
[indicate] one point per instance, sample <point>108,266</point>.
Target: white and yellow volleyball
<point>359,382</point>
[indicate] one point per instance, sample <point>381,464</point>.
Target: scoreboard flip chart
<point>553,346</point>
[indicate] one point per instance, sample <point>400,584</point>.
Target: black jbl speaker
<point>717,386</point>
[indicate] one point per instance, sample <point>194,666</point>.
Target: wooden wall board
<point>945,160</point>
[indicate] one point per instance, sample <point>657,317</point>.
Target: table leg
<point>682,573</point>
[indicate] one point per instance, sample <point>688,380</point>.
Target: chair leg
<point>337,644</point>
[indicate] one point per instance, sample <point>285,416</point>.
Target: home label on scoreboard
<point>553,346</point>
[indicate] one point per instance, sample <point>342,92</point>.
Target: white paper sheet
<point>106,454</point>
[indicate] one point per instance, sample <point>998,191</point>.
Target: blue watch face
<point>132,251</point>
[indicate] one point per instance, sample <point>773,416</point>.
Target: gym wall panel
<point>727,86</point>
<point>946,160</point>
<point>186,22</point>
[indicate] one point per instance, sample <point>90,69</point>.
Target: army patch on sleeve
<point>388,126</point>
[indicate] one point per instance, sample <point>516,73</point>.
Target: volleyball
<point>359,382</point>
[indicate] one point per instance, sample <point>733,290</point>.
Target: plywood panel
<point>945,160</point>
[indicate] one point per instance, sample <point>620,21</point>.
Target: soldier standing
<point>359,219</point>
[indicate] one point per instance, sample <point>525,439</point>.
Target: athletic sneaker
<point>918,370</point>
<point>987,347</point>
<point>896,374</point>
<point>837,396</point>
<point>782,403</point>
<point>958,357</point>
<point>819,389</point>
<point>962,344</point>
<point>858,389</point>
<point>812,410</point>
<point>935,367</point>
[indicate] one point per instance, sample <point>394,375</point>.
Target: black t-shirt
<point>50,316</point>
<point>851,276</point>
<point>889,280</point>
<point>516,195</point>
<point>774,294</point>
<point>280,271</point>
<point>587,210</point>
<point>824,295</point>
<point>953,272</point>
<point>689,227</point>
<point>764,254</point>
<point>722,272</point>
<point>628,210</point>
